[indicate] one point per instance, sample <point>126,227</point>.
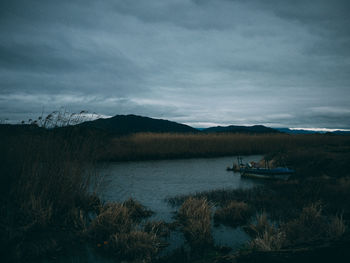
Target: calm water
<point>151,182</point>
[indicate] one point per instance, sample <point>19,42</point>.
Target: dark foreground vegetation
<point>304,219</point>
<point>50,207</point>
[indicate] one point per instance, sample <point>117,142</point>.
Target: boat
<point>280,173</point>
<point>253,170</point>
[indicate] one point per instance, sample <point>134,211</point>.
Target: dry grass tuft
<point>195,217</point>
<point>336,227</point>
<point>234,213</point>
<point>136,245</point>
<point>260,226</point>
<point>308,227</point>
<point>269,241</point>
<point>113,218</point>
<point>136,210</point>
<point>116,229</point>
<point>160,228</point>
<point>266,236</point>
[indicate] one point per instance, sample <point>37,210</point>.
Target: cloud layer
<point>202,62</point>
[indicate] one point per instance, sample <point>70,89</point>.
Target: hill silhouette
<point>127,124</point>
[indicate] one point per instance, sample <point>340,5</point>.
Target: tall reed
<point>173,145</point>
<point>48,178</point>
<point>195,216</point>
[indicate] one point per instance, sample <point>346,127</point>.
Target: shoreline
<point>44,182</point>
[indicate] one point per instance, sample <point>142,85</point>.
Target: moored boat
<point>281,173</point>
<point>253,170</point>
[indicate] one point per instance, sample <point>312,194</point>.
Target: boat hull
<point>263,173</point>
<point>266,177</point>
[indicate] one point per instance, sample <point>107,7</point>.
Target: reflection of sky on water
<point>150,182</point>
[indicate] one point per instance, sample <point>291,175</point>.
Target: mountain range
<point>241,129</point>
<point>128,124</point>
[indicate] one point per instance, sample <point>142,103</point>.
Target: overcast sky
<point>202,62</point>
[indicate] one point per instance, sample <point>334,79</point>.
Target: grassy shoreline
<point>156,146</point>
<point>48,207</point>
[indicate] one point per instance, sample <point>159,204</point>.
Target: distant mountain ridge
<point>301,131</point>
<point>241,129</point>
<point>126,124</point>
<point>129,124</point>
<point>290,131</point>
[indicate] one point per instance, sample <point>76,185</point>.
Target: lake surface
<point>151,182</point>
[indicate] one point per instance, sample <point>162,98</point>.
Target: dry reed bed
<point>309,227</point>
<point>299,216</point>
<point>172,145</point>
<point>46,180</point>
<point>283,200</point>
<point>48,204</point>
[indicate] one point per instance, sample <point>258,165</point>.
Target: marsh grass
<point>160,228</point>
<point>116,218</point>
<point>48,182</point>
<point>260,225</point>
<point>112,218</point>
<point>266,236</point>
<point>49,204</point>
<point>269,241</point>
<point>336,227</point>
<point>195,217</point>
<point>117,230</point>
<point>174,145</point>
<point>299,214</point>
<point>136,210</point>
<point>233,213</point>
<point>136,245</point>
<point>284,199</point>
<point>310,227</point>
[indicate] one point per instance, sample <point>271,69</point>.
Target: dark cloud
<point>30,57</point>
<point>275,62</point>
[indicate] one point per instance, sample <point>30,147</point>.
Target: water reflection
<point>151,182</point>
